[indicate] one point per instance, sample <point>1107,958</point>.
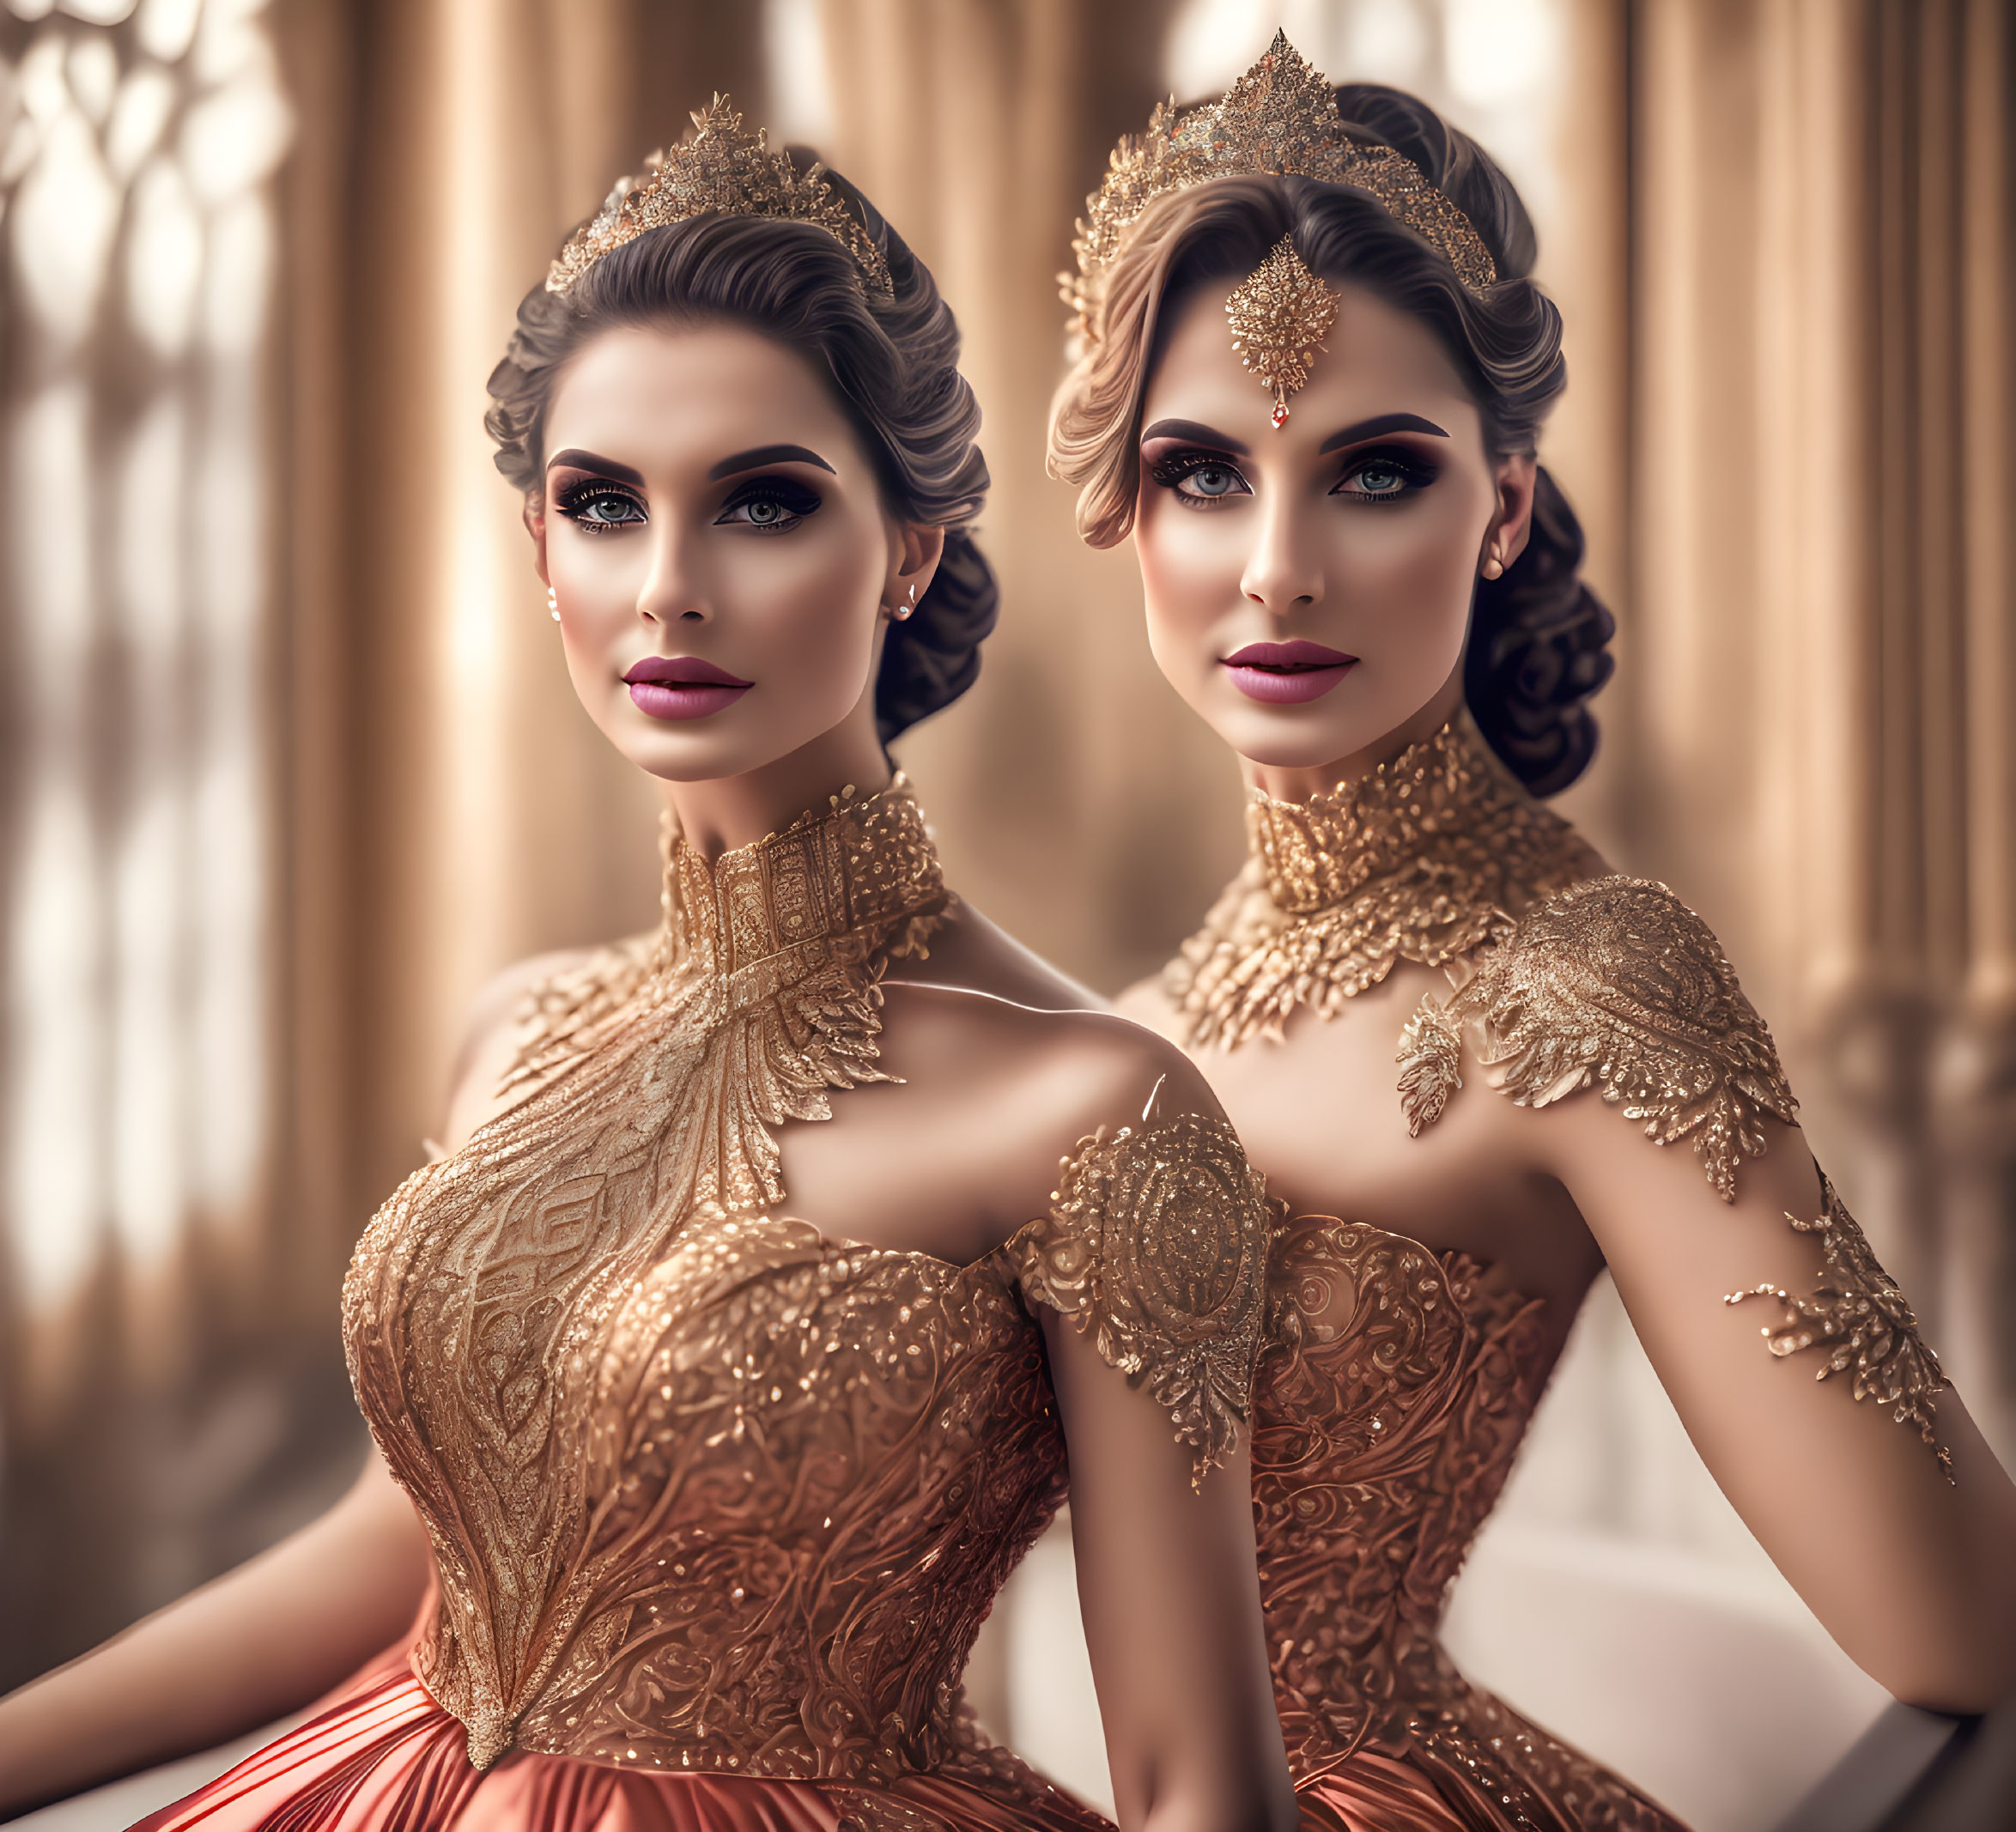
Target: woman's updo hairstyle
<point>1537,635</point>
<point>893,363</point>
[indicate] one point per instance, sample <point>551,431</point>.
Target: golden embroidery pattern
<point>1614,984</point>
<point>1279,315</point>
<point>1426,859</point>
<point>708,1490</point>
<point>1157,1243</point>
<point>1861,1321</point>
<point>1389,1404</point>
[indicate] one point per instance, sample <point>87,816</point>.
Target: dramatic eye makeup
<point>598,505</point>
<point>1198,479</point>
<point>768,505</point>
<point>1385,474</point>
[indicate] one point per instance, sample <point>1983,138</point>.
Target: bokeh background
<point>289,765</point>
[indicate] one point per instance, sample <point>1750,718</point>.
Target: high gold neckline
<point>1448,789</point>
<point>1425,859</point>
<point>858,877</point>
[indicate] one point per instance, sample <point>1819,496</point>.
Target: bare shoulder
<point>976,954</point>
<point>1147,1003</point>
<point>1046,1077</point>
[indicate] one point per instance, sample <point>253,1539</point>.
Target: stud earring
<point>553,602</point>
<point>905,610</point>
<point>1493,567</point>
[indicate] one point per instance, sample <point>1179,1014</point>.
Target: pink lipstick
<point>1286,673</point>
<point>682,687</point>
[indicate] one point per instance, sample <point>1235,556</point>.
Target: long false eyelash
<point>1172,467</point>
<point>795,498</point>
<point>573,499</point>
<point>1415,474</point>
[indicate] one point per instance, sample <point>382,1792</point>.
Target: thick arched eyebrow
<point>1377,425</point>
<point>574,459</point>
<point>758,456</point>
<point>1196,434</point>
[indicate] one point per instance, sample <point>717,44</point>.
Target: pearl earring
<point>553,602</point>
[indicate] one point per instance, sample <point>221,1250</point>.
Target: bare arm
<point>1171,1599</point>
<point>1914,1576</point>
<point>261,1641</point>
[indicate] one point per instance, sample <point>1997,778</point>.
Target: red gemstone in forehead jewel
<point>1279,416</point>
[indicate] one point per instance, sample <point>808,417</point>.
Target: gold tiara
<point>1279,119</point>
<point>720,171</point>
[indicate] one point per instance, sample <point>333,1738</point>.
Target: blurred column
<point>1822,686</point>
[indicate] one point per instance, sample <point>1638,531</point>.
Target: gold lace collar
<point>851,888</point>
<point>1428,857</point>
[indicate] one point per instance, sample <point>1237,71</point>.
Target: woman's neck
<point>717,816</point>
<point>1298,782</point>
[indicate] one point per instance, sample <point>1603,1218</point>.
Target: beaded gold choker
<point>1428,857</point>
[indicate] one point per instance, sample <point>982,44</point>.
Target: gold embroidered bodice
<point>1390,1401</point>
<point>1397,1383</point>
<point>710,1490</point>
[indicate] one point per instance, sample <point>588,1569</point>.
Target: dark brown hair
<point>893,364</point>
<point>1538,634</point>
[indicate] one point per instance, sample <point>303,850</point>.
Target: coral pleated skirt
<point>383,1756</point>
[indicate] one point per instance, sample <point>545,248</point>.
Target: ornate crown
<point>720,171</point>
<point>1279,119</point>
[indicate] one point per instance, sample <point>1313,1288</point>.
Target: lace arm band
<point>1155,1244</point>
<point>1861,1321</point>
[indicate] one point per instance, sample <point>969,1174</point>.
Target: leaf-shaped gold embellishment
<point>1617,985</point>
<point>1861,1321</point>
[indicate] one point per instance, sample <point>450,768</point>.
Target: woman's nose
<point>1284,571</point>
<point>670,592</point>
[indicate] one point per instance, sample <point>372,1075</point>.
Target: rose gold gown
<point>718,1503</point>
<point>1398,1381</point>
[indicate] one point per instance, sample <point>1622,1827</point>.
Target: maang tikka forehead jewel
<point>720,171</point>
<point>1279,119</point>
<point>1279,314</point>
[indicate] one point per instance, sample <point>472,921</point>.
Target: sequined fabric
<point>1388,1407</point>
<point>709,1492</point>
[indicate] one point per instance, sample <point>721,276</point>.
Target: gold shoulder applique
<point>1857,1314</point>
<point>1157,1243</point>
<point>1614,984</point>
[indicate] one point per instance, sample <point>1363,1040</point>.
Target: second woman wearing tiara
<point>728,1361</point>
<point>1314,370</point>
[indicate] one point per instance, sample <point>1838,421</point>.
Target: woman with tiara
<point>1314,369</point>
<point>726,1362</point>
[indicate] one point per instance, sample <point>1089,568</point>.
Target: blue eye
<point>1385,476</point>
<point>1199,478</point>
<point>596,506</point>
<point>769,505</point>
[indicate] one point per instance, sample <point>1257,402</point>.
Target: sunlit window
<point>137,141</point>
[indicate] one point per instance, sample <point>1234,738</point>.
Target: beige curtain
<point>1075,799</point>
<point>1813,721</point>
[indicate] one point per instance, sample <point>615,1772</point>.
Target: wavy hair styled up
<point>893,364</point>
<point>1538,634</point>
